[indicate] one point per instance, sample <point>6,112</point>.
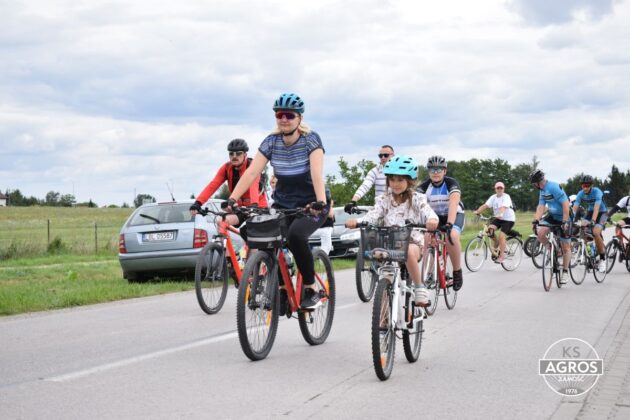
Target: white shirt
<point>495,203</point>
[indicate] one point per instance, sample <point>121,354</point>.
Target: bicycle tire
<point>450,294</point>
<point>258,298</point>
<point>412,338</point>
<point>528,245</point>
<point>476,254</point>
<point>547,266</point>
<point>211,278</point>
<point>628,264</point>
<point>365,276</point>
<point>599,276</point>
<point>383,338</point>
<point>315,325</point>
<point>430,278</point>
<point>537,254</point>
<point>578,270</point>
<point>513,254</point>
<point>611,252</point>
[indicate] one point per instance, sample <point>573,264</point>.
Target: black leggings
<point>300,229</point>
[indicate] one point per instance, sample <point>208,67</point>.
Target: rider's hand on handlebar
<point>195,208</point>
<point>228,205</point>
<point>316,207</point>
<point>432,224</point>
<point>348,207</point>
<point>351,223</point>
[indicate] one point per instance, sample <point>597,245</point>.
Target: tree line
<point>477,177</point>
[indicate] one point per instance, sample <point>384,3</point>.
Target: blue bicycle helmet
<point>289,101</point>
<point>402,165</point>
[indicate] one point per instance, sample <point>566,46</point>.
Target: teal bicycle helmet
<point>402,165</point>
<point>290,102</point>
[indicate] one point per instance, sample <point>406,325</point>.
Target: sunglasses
<point>287,115</point>
<point>236,153</point>
<point>384,155</point>
<point>498,188</point>
<point>436,170</point>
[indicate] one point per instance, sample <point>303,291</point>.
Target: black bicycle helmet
<point>436,162</point>
<point>586,179</point>
<point>238,145</point>
<point>536,176</point>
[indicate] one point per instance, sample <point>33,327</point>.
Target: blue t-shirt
<point>292,168</point>
<point>596,196</point>
<point>553,196</point>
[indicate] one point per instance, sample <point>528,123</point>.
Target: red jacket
<point>226,173</point>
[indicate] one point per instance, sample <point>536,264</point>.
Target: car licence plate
<point>158,236</point>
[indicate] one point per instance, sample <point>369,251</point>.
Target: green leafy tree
<point>351,177</point>
<point>142,198</point>
<point>52,198</point>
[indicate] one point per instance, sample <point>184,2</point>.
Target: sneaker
<point>500,259</point>
<point>601,266</point>
<point>421,296</point>
<point>284,302</point>
<point>458,279</point>
<point>564,277</point>
<point>310,299</point>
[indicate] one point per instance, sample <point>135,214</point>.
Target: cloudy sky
<point>106,98</point>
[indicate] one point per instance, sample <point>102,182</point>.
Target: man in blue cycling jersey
<point>555,200</point>
<point>592,198</point>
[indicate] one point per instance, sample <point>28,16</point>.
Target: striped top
<point>375,178</point>
<point>291,165</point>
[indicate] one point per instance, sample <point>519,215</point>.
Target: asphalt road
<point>162,357</point>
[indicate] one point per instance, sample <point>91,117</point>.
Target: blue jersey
<point>596,196</point>
<point>292,166</point>
<point>553,196</point>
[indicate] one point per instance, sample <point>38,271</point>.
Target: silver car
<point>164,239</point>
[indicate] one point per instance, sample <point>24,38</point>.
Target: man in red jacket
<point>231,172</point>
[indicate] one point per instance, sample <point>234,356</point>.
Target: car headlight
<point>352,236</point>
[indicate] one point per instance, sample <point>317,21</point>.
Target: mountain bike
<point>584,259</point>
<point>366,269</point>
<point>216,260</point>
<point>477,249</point>
<point>618,246</point>
<point>437,270</point>
<point>394,308</point>
<point>258,302</point>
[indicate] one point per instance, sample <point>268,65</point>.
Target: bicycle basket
<point>266,231</point>
<point>391,238</point>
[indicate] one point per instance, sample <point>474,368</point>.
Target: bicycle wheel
<point>366,276</point>
<point>383,333</point>
<point>578,266</point>
<point>258,298</point>
<point>611,252</point>
<point>529,245</point>
<point>412,339</point>
<point>513,254</point>
<point>316,324</point>
<point>475,254</point>
<point>211,278</point>
<point>450,294</point>
<point>599,276</point>
<point>537,254</point>
<point>548,257</point>
<point>430,278</point>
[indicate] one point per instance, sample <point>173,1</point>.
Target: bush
<point>57,246</point>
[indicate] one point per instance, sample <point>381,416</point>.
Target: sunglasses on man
<point>384,155</point>
<point>436,170</point>
<point>236,153</point>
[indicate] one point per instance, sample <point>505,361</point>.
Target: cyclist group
<point>296,154</point>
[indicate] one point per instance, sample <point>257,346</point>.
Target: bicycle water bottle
<point>242,254</point>
<point>591,250</point>
<point>289,259</point>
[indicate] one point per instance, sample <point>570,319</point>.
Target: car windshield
<point>167,213</point>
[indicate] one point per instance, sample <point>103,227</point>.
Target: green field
<point>81,269</point>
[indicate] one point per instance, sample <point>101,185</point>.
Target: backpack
<point>264,178</point>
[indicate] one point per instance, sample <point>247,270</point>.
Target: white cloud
<point>112,96</point>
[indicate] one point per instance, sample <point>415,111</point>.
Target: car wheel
<point>135,277</point>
